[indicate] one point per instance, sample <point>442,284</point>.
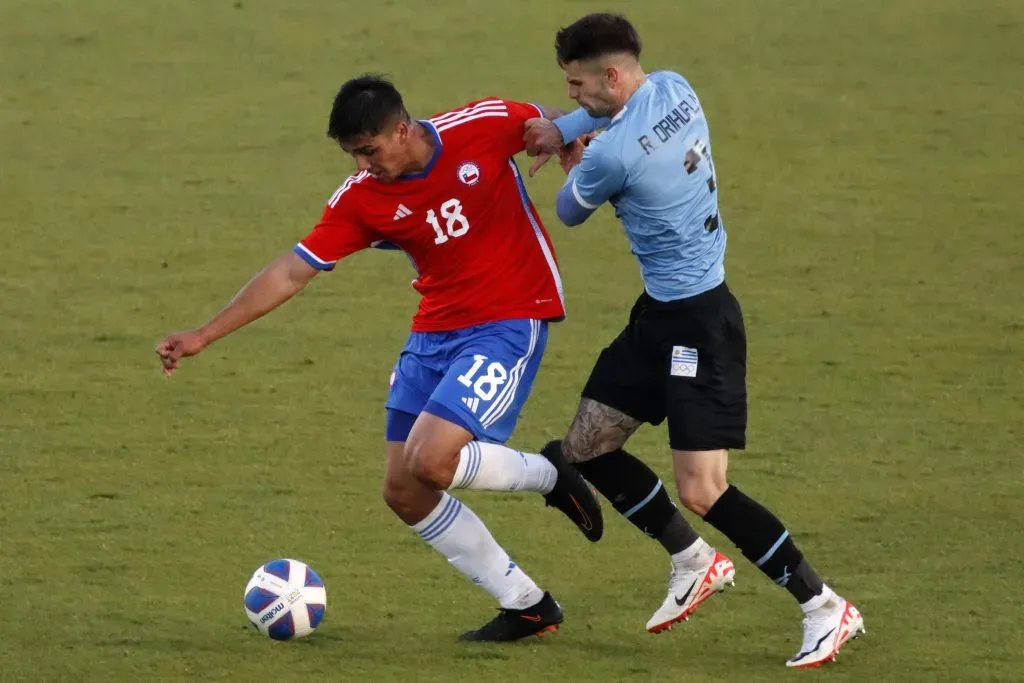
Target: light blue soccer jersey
<point>653,163</point>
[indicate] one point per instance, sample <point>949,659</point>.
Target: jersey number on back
<point>456,225</point>
<point>694,155</point>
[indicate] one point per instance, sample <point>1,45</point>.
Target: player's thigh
<point>705,389</point>
<point>626,378</point>
<point>490,378</point>
<point>417,372</point>
<point>597,429</point>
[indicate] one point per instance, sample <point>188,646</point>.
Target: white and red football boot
<point>826,629</point>
<point>687,590</point>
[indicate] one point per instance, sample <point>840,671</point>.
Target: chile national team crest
<point>469,173</point>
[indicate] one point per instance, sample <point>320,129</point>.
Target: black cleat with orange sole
<point>573,495</point>
<point>513,624</point>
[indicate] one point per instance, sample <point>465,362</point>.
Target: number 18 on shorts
<point>478,377</point>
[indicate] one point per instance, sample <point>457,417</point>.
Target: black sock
<point>637,493</point>
<point>764,541</point>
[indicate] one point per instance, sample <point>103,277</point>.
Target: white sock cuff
<point>470,458</point>
<point>440,519</point>
<point>494,467</point>
<point>695,556</point>
<point>818,600</point>
<point>696,549</point>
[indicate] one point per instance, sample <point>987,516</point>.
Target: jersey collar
<point>419,175</point>
<point>632,99</point>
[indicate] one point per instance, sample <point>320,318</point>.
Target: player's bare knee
<point>397,494</point>
<point>698,495</point>
<point>430,465</point>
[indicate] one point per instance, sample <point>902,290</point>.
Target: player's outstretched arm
<point>545,137</point>
<point>275,284</point>
<point>550,113</point>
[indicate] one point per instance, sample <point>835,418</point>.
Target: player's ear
<point>612,75</point>
<point>401,131</point>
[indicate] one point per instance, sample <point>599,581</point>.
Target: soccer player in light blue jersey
<point>682,355</point>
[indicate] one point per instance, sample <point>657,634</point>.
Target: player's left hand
<point>571,154</point>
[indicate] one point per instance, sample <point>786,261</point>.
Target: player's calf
<point>698,571</point>
<point>763,540</point>
<point>451,528</point>
<point>637,493</point>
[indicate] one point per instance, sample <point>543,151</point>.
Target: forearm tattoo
<point>596,430</point>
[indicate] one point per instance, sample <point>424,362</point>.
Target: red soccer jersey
<point>466,222</point>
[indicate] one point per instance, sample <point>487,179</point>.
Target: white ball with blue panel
<point>285,599</point>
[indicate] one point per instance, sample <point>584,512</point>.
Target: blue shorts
<point>478,377</point>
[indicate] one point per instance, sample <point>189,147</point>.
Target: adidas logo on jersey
<point>471,403</point>
<point>402,212</point>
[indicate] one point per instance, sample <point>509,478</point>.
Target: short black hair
<point>596,35</point>
<point>364,106</point>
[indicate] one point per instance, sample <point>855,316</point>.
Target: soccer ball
<point>285,599</point>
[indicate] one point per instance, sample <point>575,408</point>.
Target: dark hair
<point>364,106</point>
<point>596,35</point>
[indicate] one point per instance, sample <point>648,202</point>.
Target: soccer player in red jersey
<point>447,192</point>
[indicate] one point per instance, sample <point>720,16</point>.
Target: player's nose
<point>362,163</point>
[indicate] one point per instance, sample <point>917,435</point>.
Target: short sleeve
<point>338,234</point>
<point>518,114</point>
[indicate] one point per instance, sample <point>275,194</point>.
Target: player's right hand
<point>179,345</point>
<point>542,140</point>
<point>541,136</point>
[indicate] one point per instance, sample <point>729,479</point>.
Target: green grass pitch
<point>154,155</point>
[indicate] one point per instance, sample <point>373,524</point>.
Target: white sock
<point>819,600</point>
<point>454,531</point>
<point>695,557</point>
<point>493,467</point>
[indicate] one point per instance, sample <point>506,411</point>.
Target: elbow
<point>294,272</point>
<point>570,219</point>
<point>569,211</point>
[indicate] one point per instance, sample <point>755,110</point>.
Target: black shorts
<point>685,360</point>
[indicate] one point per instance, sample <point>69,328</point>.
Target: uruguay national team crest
<point>469,173</point>
<point>684,362</point>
